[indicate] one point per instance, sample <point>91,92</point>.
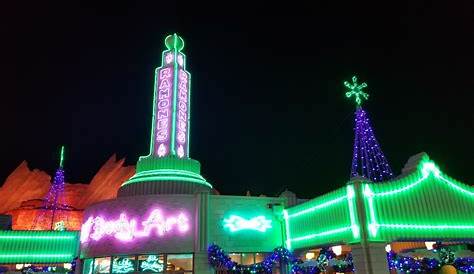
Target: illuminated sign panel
<point>236,223</point>
<point>125,229</point>
<point>182,116</point>
<point>164,111</point>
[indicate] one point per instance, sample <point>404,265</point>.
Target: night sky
<point>268,104</point>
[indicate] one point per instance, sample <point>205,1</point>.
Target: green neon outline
<point>167,178</point>
<point>7,256</point>
<point>350,201</point>
<point>61,157</point>
<point>320,234</point>
<point>21,237</point>
<point>320,206</point>
<point>426,169</point>
<point>175,94</point>
<point>442,227</point>
<point>287,229</point>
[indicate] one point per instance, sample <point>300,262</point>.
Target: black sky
<point>268,106</point>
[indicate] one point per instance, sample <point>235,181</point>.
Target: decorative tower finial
<point>356,90</point>
<point>174,42</point>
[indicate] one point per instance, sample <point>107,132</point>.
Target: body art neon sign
<point>235,223</point>
<point>182,114</point>
<point>123,229</point>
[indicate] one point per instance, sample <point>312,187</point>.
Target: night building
<point>167,218</point>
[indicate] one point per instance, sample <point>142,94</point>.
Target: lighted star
<point>356,90</point>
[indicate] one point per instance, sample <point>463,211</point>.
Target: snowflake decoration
<point>356,90</point>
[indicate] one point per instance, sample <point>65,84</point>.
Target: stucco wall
<point>221,207</point>
<point>139,208</point>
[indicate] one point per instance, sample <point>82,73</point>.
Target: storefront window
<point>247,258</point>
<point>151,263</point>
<point>102,265</point>
<point>259,257</point>
<point>179,263</point>
<point>123,264</point>
<point>236,257</point>
<point>88,266</point>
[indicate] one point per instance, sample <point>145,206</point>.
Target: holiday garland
<point>428,265</point>
<point>218,258</point>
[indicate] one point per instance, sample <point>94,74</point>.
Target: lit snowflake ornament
<point>356,90</point>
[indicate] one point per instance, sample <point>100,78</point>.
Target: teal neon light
<point>427,169</point>
<point>236,223</point>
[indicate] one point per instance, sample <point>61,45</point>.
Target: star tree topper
<point>356,90</point>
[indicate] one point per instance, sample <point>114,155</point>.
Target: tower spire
<point>168,169</point>
<point>368,159</point>
<point>171,104</point>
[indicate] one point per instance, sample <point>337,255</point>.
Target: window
<point>88,266</point>
<point>151,263</point>
<point>247,258</point>
<point>179,263</point>
<point>123,264</point>
<point>102,265</point>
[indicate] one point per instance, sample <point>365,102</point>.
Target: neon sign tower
<point>168,169</point>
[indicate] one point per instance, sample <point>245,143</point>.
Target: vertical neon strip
<point>372,224</point>
<point>350,200</point>
<point>189,106</point>
<point>153,118</point>
<point>175,91</point>
<point>287,228</point>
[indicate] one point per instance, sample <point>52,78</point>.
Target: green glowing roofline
<point>393,223</point>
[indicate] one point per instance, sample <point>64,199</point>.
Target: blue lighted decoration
<point>152,264</point>
<point>235,223</point>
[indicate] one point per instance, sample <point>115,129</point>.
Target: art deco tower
<point>168,168</point>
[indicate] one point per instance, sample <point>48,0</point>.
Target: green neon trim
<point>427,169</point>
<point>175,93</point>
<point>287,229</point>
<point>167,178</point>
<point>61,157</point>
<point>441,227</point>
<point>152,135</point>
<point>36,256</point>
<point>317,207</point>
<point>325,233</point>
<point>166,171</point>
<point>350,200</point>
<point>19,237</point>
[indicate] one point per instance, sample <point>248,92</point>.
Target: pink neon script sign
<point>96,228</point>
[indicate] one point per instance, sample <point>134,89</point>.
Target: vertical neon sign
<point>163,111</point>
<point>183,114</point>
<point>171,110</point>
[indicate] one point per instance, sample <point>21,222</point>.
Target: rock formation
<point>24,189</point>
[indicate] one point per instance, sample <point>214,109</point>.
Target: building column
<point>370,258</point>
<point>201,241</point>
